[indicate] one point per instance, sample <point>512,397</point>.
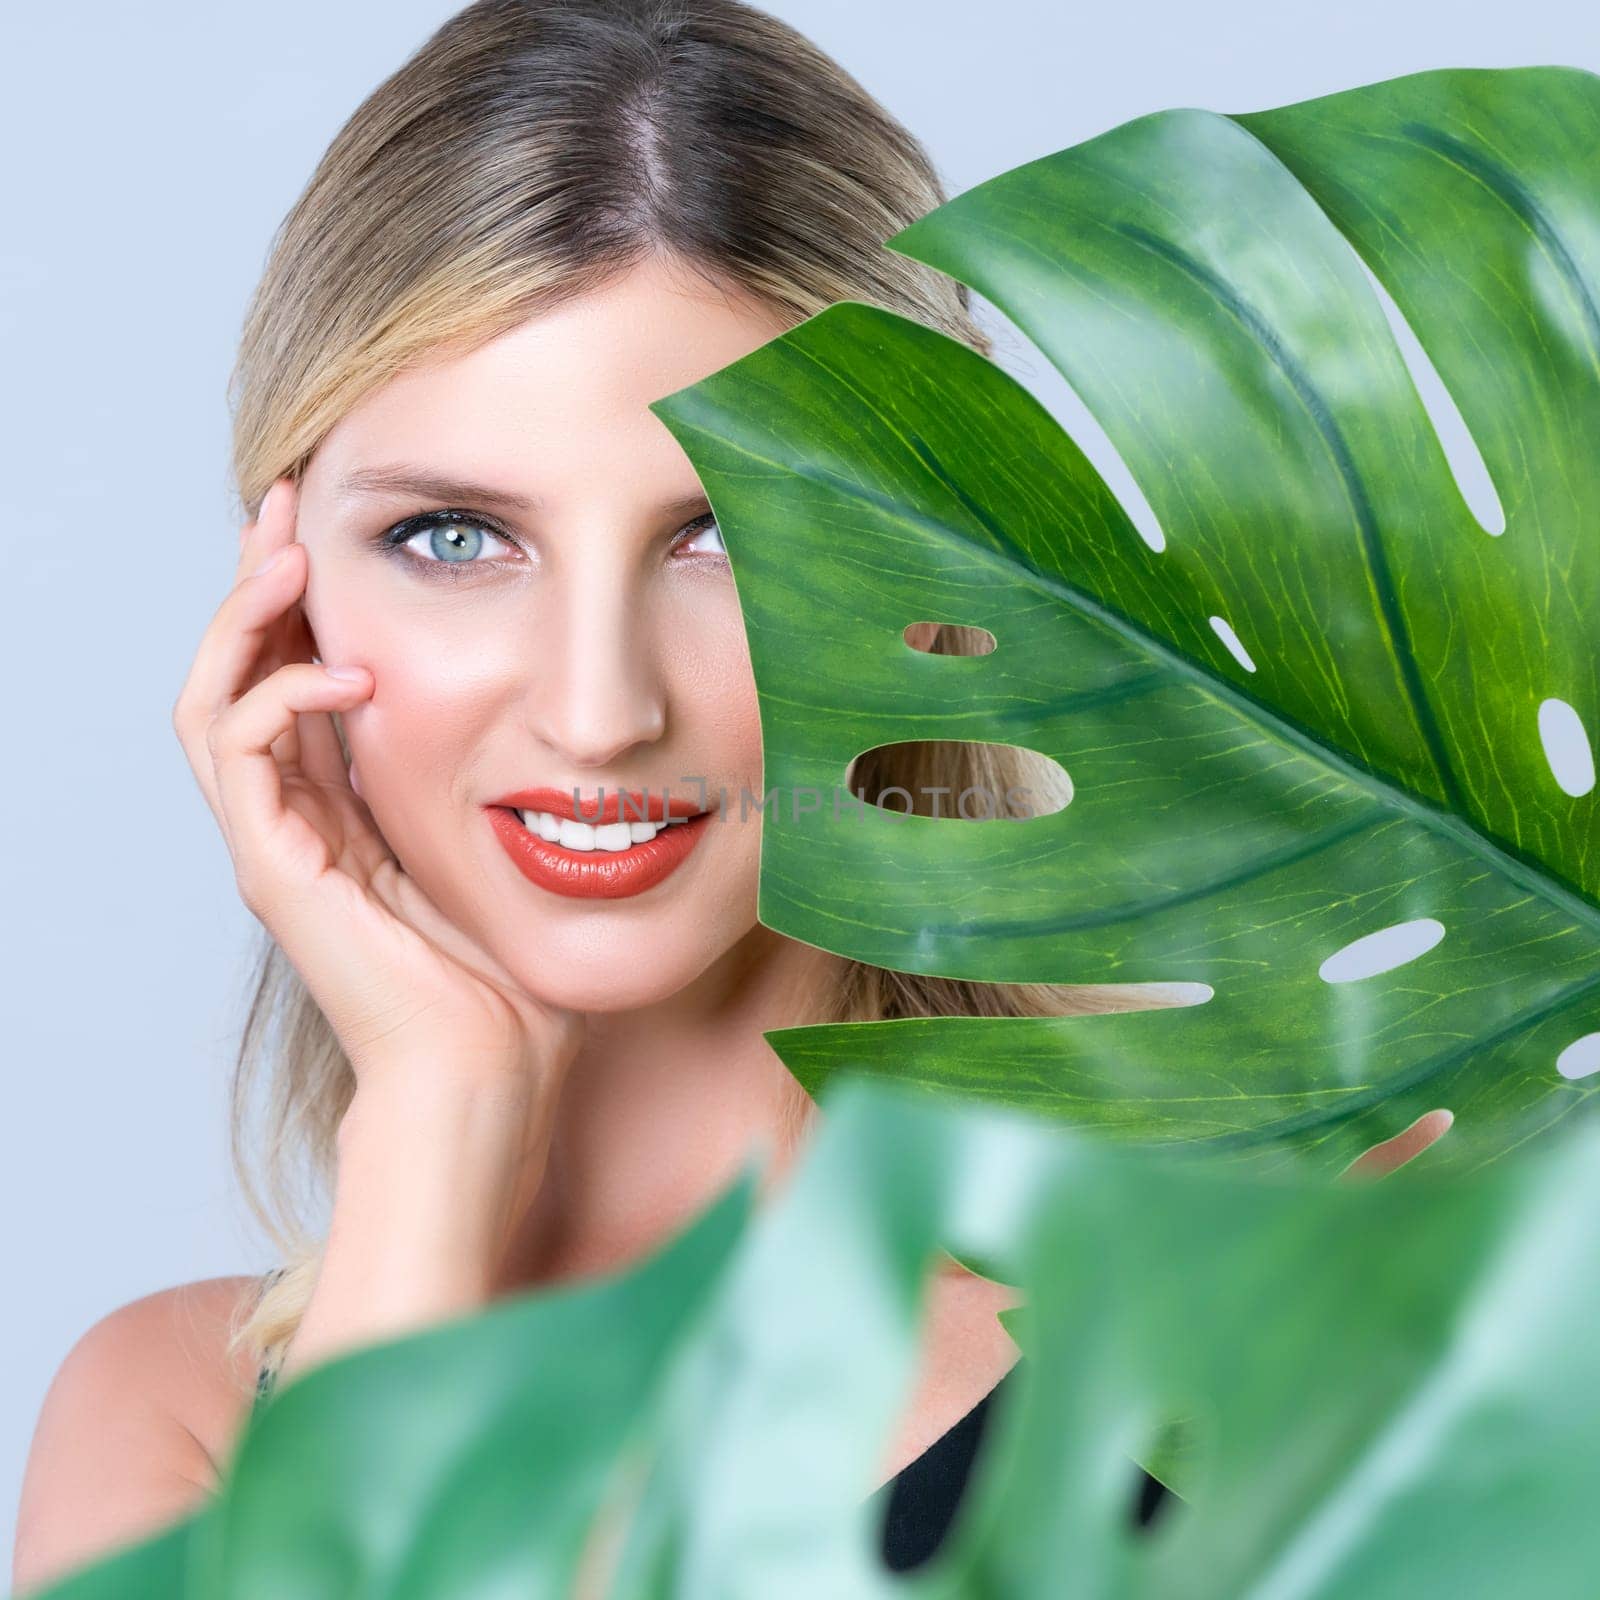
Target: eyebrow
<point>426,485</point>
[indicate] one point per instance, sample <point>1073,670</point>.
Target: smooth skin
<point>547,1088</point>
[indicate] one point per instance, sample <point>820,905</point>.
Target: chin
<point>614,974</point>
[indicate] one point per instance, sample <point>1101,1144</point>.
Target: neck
<point>661,1108</point>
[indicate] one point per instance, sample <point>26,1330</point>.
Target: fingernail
<point>271,561</point>
<point>346,672</point>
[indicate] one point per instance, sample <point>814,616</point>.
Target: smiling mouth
<point>571,834</point>
<point>595,860</point>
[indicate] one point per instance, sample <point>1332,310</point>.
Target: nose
<point>598,689</point>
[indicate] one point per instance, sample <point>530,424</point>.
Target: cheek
<point>715,690</point>
<point>443,673</point>
<point>431,701</point>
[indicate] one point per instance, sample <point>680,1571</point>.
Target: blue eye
<point>443,542</point>
<point>445,539</point>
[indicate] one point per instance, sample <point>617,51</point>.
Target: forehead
<point>573,381</point>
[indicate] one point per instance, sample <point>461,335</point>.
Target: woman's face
<point>573,627</point>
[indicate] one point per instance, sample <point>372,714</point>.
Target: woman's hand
<point>458,1071</point>
<point>396,979</point>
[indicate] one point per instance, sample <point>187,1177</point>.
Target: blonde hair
<point>527,152</point>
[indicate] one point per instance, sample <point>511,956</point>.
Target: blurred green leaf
<point>467,1460</point>
<point>1390,1387</point>
<point>153,1566</point>
<point>1391,1390</point>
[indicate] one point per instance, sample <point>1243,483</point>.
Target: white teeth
<point>575,835</point>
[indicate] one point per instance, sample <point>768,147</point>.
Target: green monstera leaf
<point>1333,708</point>
<point>1393,1390</point>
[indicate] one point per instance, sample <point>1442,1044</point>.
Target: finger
<point>272,526</point>
<point>275,529</point>
<point>249,779</point>
<point>286,749</point>
<point>224,665</point>
<point>320,756</point>
<point>212,675</point>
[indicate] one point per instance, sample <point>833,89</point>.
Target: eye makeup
<point>395,541</point>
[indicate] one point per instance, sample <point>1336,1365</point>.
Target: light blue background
<point>149,153</point>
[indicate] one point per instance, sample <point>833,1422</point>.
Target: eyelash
<point>394,541</point>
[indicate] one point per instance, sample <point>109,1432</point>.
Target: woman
<point>481,581</point>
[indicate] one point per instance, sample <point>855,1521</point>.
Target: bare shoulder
<point>135,1426</point>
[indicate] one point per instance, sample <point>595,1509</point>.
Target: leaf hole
<point>1170,1469</point>
<point>1151,1501</point>
<point>1581,1058</point>
<point>948,639</point>
<point>1566,747</point>
<point>1175,994</point>
<point>1405,1146</point>
<point>963,779</point>
<point>1382,951</point>
<point>1016,353</point>
<point>1460,449</point>
<point>1094,999</point>
<point>1224,631</point>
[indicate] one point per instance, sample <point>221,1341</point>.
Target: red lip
<point>606,806</point>
<point>596,874</point>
